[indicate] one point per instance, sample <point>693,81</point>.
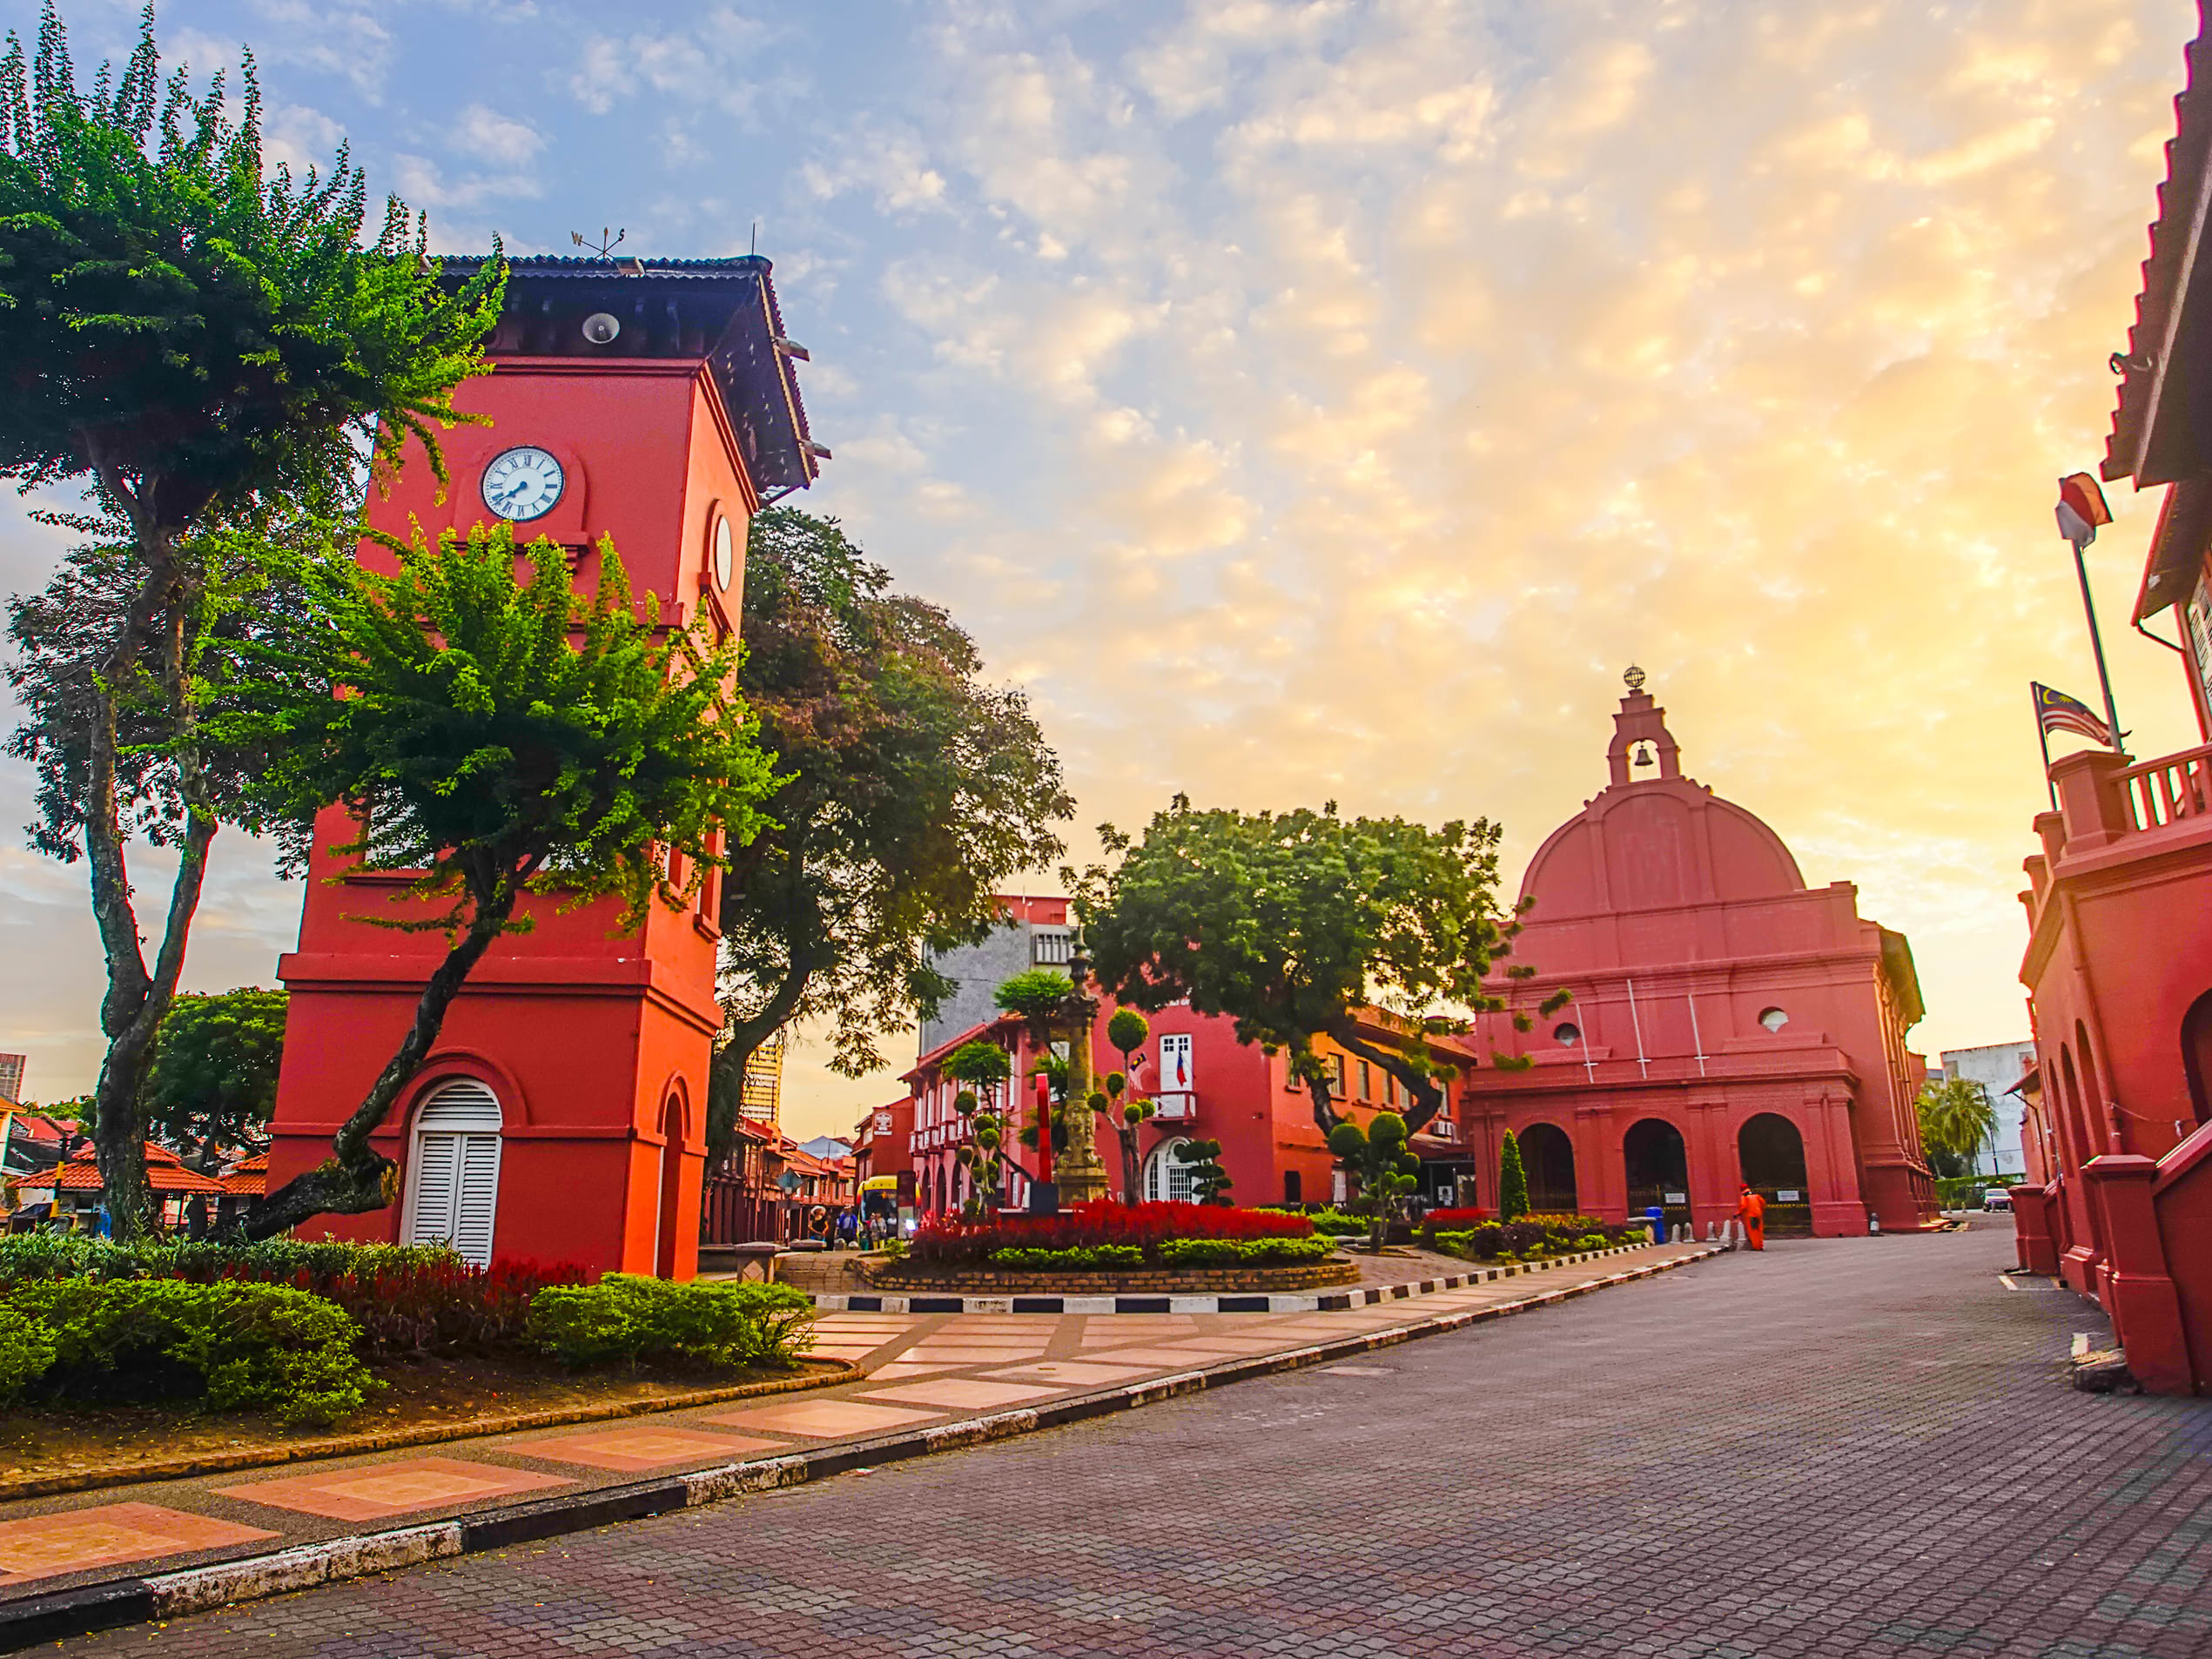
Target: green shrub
<point>1243,1253</point>
<point>1081,1257</point>
<point>264,1347</point>
<point>1340,1224</point>
<point>26,1350</point>
<point>627,1318</point>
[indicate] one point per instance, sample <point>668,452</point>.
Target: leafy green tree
<point>1512,1181</point>
<point>500,736</point>
<point>1377,1157</point>
<point>1127,1032</point>
<point>1209,1181</point>
<point>909,791</point>
<point>212,1087</point>
<point>1304,925</point>
<point>202,344</point>
<point>1956,1119</point>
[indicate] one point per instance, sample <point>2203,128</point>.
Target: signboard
<point>1675,1198</point>
<point>1175,1063</point>
<point>1787,1195</point>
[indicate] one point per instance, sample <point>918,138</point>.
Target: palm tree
<point>1956,1118</point>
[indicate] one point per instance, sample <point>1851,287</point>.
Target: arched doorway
<point>2196,1055</point>
<point>1770,1154</point>
<point>1548,1157</point>
<point>453,1171</point>
<point>671,1192</point>
<point>2095,1120</point>
<point>1657,1167</point>
<point>1168,1178</point>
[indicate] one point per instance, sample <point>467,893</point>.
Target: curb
<point>175,1468</point>
<point>1223,1302</point>
<point>35,1620</point>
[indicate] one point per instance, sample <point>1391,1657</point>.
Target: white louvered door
<point>453,1179</point>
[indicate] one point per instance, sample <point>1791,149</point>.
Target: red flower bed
<point>1452,1220</point>
<point>949,1240</point>
<point>414,1310</point>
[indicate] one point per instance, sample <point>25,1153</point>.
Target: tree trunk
<point>805,952</point>
<point>1132,1173</point>
<point>357,1178</point>
<point>137,998</point>
<point>1428,1097</point>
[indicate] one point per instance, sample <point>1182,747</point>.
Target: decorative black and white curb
<point>33,1621</point>
<point>1226,1302</point>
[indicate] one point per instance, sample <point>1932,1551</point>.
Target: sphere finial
<point>1633,679</point>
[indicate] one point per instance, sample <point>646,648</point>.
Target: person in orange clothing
<point>1751,1209</point>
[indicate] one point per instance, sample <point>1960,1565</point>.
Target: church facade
<point>1729,1025</point>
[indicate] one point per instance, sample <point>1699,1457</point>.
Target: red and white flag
<point>2081,509</point>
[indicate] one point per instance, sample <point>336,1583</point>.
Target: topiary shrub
<point>1244,1253</point>
<point>627,1318</point>
<point>265,1347</point>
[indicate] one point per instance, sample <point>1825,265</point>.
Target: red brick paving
<point>1844,1447</point>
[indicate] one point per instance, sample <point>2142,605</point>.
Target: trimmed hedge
<point>1083,1258</point>
<point>625,1317</point>
<point>951,1242</point>
<point>1532,1238</point>
<point>1244,1253</point>
<point>268,1346</point>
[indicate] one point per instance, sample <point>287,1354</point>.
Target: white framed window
<point>453,1171</point>
<point>1168,1178</point>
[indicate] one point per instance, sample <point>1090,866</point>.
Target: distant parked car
<point>1997,1198</point>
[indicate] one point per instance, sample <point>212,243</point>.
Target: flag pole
<point>2043,736</point>
<point>2097,644</point>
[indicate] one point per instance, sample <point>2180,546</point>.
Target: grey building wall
<point>979,970</point>
<point>1996,1068</point>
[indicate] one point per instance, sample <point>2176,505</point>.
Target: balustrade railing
<point>2167,790</point>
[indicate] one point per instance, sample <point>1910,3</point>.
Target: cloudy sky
<point>1311,400</point>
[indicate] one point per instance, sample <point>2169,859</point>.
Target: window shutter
<point>453,1181</point>
<point>430,1213</point>
<point>478,1200</point>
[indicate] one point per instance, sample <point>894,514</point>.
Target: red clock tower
<point>562,1115</point>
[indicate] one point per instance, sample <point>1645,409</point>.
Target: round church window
<point>1773,1018</point>
<point>1566,1034</point>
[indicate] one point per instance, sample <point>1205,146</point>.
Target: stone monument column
<point>1078,1173</point>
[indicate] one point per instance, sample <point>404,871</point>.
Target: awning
<point>880,1184</point>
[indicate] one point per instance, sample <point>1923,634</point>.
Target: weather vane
<point>603,247</point>
<point>1633,679</point>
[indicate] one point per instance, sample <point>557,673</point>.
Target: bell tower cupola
<point>1642,750</point>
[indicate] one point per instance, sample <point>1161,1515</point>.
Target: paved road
<point>1855,1447</point>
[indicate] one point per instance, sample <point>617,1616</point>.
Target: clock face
<point>725,555</point>
<point>522,484</point>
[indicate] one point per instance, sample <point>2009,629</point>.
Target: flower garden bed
<point>1107,1247</point>
<point>906,1276</point>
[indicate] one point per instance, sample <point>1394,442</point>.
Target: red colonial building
<point>561,1115</point>
<point>2119,901</point>
<point>1204,1083</point>
<point>1730,1024</point>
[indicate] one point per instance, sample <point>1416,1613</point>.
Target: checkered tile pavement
<point>1848,1447</point>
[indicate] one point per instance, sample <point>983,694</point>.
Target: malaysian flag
<point>2058,712</point>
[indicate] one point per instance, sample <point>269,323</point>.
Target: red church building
<point>1730,1024</point>
<point>561,1114</point>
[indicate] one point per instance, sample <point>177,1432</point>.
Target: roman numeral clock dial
<point>522,484</point>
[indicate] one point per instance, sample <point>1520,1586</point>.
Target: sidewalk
<point>930,1382</point>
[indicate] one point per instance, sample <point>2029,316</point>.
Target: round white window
<point>1773,1018</point>
<point>1566,1034</point>
<point>725,553</point>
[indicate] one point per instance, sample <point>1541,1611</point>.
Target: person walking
<point>1751,1209</point>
